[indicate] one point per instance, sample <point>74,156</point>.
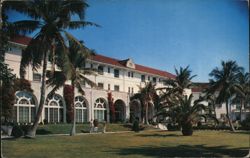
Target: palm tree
<point>225,82</point>
<point>185,113</point>
<point>183,79</point>
<point>51,19</point>
<point>147,96</point>
<point>73,69</point>
<point>243,92</point>
<point>174,90</point>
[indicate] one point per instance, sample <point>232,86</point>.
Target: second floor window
<point>100,85</point>
<point>143,78</point>
<point>100,70</point>
<point>116,88</point>
<point>154,79</point>
<point>37,77</point>
<point>116,73</point>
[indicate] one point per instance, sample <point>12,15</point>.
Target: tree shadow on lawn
<point>158,135</point>
<point>182,151</point>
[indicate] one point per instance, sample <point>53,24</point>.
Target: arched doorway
<point>135,110</point>
<point>25,107</point>
<point>100,109</point>
<point>54,109</point>
<point>81,106</point>
<point>119,110</point>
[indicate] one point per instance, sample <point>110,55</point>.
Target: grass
<point>80,128</point>
<point>136,145</point>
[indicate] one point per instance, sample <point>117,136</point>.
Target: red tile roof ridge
<point>24,40</point>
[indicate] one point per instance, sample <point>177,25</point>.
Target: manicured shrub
<point>17,131</point>
<point>96,122</point>
<point>136,125</point>
<point>245,123</point>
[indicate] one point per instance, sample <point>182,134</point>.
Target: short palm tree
<point>73,69</point>
<point>52,19</point>
<point>186,113</point>
<point>174,90</point>
<point>225,83</point>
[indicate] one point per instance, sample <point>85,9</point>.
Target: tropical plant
<point>147,94</point>
<point>174,91</point>
<point>186,113</point>
<point>242,96</point>
<point>52,19</point>
<point>225,84</point>
<point>72,65</point>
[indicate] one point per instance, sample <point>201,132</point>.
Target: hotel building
<point>121,78</point>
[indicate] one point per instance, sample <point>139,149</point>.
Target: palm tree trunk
<point>146,115</point>
<point>241,105</point>
<point>73,129</point>
<point>229,120</point>
<point>32,132</point>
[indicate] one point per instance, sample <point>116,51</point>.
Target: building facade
<point>121,78</point>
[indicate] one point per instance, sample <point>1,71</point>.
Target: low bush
<point>17,131</point>
<point>245,124</point>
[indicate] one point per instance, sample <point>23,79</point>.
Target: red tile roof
<point>100,58</point>
<point>21,40</point>
<point>199,87</point>
<point>116,62</point>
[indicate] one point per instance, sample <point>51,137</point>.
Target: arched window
<point>100,111</point>
<point>54,108</point>
<point>81,109</point>
<point>24,108</point>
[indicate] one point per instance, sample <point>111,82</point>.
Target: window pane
<point>33,114</point>
<point>85,115</point>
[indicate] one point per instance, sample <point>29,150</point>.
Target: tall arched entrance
<point>81,109</point>
<point>54,109</point>
<point>100,109</point>
<point>119,110</point>
<point>25,107</point>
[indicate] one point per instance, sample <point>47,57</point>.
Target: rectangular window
<point>143,78</point>
<point>23,114</point>
<point>154,79</point>
<point>108,69</point>
<point>91,66</point>
<point>100,85</point>
<point>132,74</point>
<point>108,86</point>
<point>128,74</point>
<point>149,78</point>
<point>116,73</point>
<point>116,88</point>
<point>128,89</point>
<point>132,90</point>
<point>100,70</point>
<point>37,77</point>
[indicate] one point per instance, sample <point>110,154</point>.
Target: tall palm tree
<point>175,88</point>
<point>183,79</point>
<point>51,19</point>
<point>242,96</point>
<point>225,82</point>
<point>73,69</point>
<point>147,96</point>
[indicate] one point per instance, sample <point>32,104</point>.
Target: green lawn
<point>80,128</point>
<point>143,144</point>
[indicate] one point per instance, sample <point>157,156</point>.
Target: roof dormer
<point>128,63</point>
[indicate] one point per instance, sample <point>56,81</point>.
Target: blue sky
<point>165,34</point>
